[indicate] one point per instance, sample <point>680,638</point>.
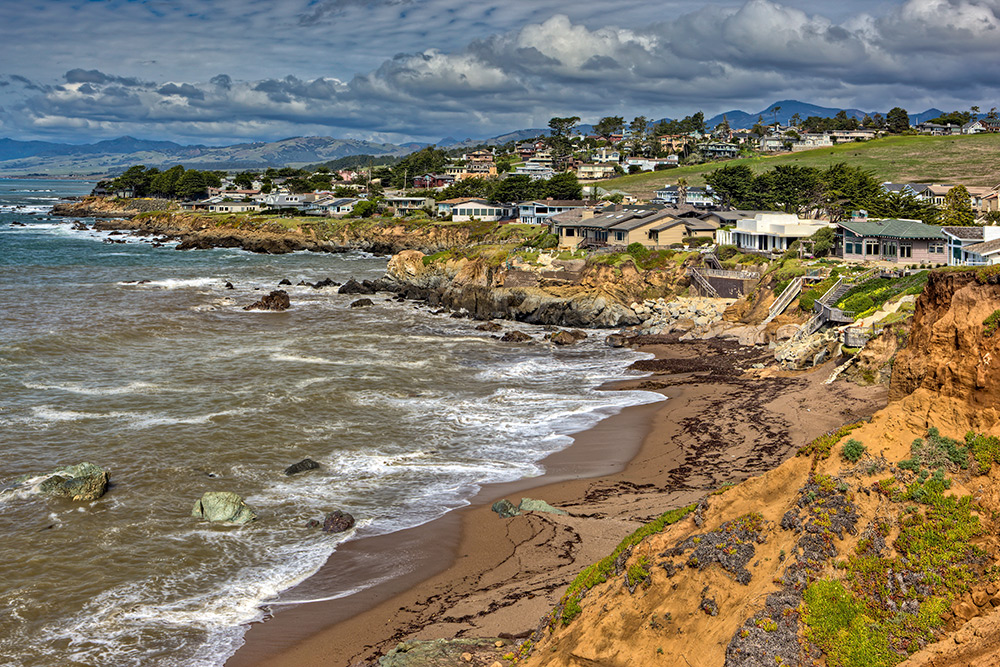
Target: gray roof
<point>985,248</point>
<point>965,233</point>
<point>641,220</point>
<point>896,229</point>
<point>733,216</point>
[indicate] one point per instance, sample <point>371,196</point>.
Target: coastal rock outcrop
<point>81,482</point>
<point>362,303</point>
<point>277,301</point>
<point>223,506</point>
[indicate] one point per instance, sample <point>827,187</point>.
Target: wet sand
<point>472,574</point>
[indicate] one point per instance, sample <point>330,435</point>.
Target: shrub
<point>637,250</point>
<point>985,450</point>
<point>853,450</point>
<point>991,324</point>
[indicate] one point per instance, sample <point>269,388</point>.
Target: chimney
<point>588,213</point>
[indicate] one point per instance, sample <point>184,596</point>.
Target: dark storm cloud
<point>183,90</point>
<point>95,76</point>
<point>650,59</point>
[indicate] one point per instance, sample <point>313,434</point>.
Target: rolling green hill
<point>970,160</point>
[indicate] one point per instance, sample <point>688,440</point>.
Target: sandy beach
<point>472,574</point>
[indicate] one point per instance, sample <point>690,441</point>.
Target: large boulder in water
<point>223,506</point>
<point>277,300</point>
<point>334,522</point>
<point>84,481</point>
<point>352,286</point>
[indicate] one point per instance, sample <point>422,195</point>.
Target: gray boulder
<point>84,481</point>
<point>223,506</point>
<point>616,340</point>
<point>505,509</point>
<point>531,505</point>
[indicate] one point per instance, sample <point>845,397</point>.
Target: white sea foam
<point>91,390</point>
<point>177,283</point>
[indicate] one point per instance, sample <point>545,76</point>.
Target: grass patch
<point>985,450</point>
<point>821,446</point>
<point>991,324</point>
<point>569,606</point>
<point>868,297</point>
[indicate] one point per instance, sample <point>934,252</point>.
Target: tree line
<point>173,183</point>
<point>833,192</point>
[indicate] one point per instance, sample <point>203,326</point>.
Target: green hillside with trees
<point>967,159</point>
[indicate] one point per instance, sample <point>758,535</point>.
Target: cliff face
<point>741,581</point>
<point>571,293</point>
<point>948,353</point>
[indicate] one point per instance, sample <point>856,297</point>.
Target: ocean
<point>140,360</point>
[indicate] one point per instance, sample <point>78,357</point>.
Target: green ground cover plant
<point>569,606</point>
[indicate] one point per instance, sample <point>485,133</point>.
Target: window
<point>937,247</point>
<point>871,247</point>
<point>568,232</point>
<point>905,250</point>
<point>619,236</point>
<point>849,248</point>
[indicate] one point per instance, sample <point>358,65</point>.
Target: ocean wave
<point>176,283</point>
<point>91,390</point>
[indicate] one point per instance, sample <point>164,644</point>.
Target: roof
<point>893,228</point>
<point>965,233</point>
<point>733,216</point>
<point>641,219</point>
<point>554,202</point>
<point>668,224</point>
<point>477,202</point>
<point>570,217</point>
<point>985,248</point>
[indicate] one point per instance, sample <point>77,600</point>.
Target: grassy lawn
<point>969,159</point>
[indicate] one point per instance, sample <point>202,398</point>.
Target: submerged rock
<point>361,303</point>
<point>284,281</point>
<point>301,466</point>
<point>223,506</point>
<point>515,337</point>
<point>489,326</point>
<point>277,301</point>
<point>616,340</point>
<point>334,522</point>
<point>84,481</point>
<point>352,286</point>
<point>563,338</point>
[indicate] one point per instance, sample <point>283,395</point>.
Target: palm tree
<point>682,191</point>
<point>775,111</point>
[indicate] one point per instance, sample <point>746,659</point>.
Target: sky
<point>226,71</point>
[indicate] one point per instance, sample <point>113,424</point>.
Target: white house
<point>770,232</point>
<point>607,154</point>
<point>538,212</point>
<point>698,197</point>
<point>534,171</point>
<point>480,209</point>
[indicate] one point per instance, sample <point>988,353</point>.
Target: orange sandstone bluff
<point>876,545</point>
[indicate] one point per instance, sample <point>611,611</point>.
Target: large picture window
<point>905,250</point>
<point>871,248</point>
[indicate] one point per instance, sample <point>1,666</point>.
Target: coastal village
<point>820,488</point>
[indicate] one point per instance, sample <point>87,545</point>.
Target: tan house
<point>618,227</point>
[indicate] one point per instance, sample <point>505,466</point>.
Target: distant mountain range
<point>787,108</point>
<point>114,155</point>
